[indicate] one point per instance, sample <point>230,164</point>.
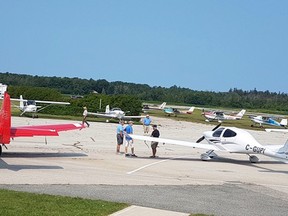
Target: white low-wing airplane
<point>228,139</point>
<point>114,113</point>
<point>29,106</point>
<point>220,116</point>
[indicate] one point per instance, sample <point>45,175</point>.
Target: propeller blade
<point>200,139</point>
<point>216,127</point>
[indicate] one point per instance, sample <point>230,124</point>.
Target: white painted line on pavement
<point>151,164</point>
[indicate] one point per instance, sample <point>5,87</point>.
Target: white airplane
<point>114,113</point>
<point>220,116</point>
<point>228,139</point>
<point>29,106</point>
<point>147,108</point>
<point>277,130</point>
<point>268,121</point>
<point>174,111</point>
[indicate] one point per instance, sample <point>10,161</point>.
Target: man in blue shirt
<point>129,141</point>
<point>146,124</point>
<point>119,136</point>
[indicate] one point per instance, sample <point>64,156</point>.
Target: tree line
<point>234,98</point>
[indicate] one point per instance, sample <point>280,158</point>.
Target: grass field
<point>22,203</point>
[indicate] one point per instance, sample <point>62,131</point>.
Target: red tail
<point>5,120</point>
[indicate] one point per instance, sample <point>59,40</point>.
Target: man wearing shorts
<point>129,141</point>
<point>146,124</point>
<point>119,136</point>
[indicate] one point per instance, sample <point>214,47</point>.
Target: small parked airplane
<point>220,116</point>
<point>175,111</point>
<point>268,121</point>
<point>29,106</point>
<point>7,132</point>
<point>147,108</point>
<point>228,139</point>
<point>114,113</point>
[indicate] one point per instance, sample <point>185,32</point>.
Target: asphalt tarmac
<point>84,164</point>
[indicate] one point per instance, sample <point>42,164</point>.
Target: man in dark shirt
<point>154,145</point>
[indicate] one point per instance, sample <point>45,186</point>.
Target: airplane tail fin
<point>107,109</point>
<point>241,113</point>
<point>21,102</point>
<point>190,111</point>
<point>283,122</point>
<point>283,149</point>
<point>5,120</point>
<point>162,106</point>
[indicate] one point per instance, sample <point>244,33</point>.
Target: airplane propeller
<point>202,138</point>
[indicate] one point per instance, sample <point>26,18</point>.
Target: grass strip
<point>24,203</point>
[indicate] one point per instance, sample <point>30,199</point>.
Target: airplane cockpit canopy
<point>30,102</point>
<point>116,109</point>
<point>227,133</point>
<point>218,132</point>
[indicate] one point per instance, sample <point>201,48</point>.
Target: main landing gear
<point>208,155</point>
<point>253,159</point>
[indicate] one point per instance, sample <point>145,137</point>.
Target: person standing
<point>129,141</point>
<point>120,136</point>
<point>85,113</point>
<point>146,124</point>
<point>154,145</point>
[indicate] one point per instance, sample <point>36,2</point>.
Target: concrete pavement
<point>144,211</point>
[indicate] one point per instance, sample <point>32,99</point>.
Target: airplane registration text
<point>255,149</point>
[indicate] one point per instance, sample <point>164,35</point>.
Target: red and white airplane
<point>220,116</point>
<point>7,132</point>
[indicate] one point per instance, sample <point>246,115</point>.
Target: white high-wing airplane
<point>29,106</point>
<point>228,139</point>
<point>268,121</point>
<point>114,113</point>
<point>174,111</point>
<point>220,116</point>
<point>146,108</point>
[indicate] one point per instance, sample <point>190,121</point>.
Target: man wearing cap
<point>154,144</point>
<point>146,124</point>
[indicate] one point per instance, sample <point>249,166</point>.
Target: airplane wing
<point>130,117</point>
<point>176,142</point>
<point>102,115</point>
<point>52,102</point>
<point>42,130</point>
<point>277,130</point>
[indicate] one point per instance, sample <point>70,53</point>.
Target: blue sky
<point>210,45</point>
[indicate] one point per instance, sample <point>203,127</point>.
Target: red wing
<point>42,130</point>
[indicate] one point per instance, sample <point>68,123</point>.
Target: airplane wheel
<point>254,159</point>
<point>0,149</point>
<point>205,157</point>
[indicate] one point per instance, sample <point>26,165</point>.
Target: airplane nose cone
<point>208,134</point>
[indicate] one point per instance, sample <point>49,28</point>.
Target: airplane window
<point>229,133</point>
<point>31,102</point>
<point>218,132</point>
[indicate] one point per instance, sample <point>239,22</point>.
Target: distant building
<point>3,88</point>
